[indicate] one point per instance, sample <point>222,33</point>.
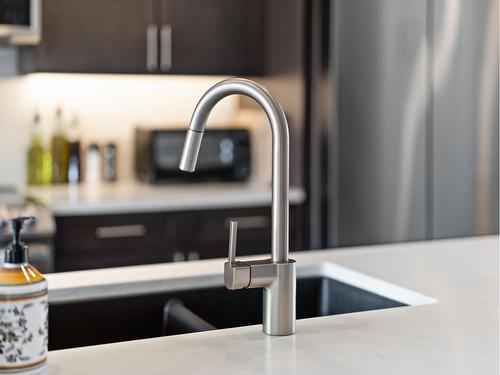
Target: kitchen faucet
<point>276,275</point>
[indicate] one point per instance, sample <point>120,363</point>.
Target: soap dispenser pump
<point>23,309</point>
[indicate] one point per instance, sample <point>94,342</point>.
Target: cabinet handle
<point>249,222</point>
<point>193,255</point>
<point>120,231</point>
<point>178,257</point>
<point>152,48</point>
<point>166,48</point>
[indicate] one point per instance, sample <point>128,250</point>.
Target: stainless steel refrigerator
<point>402,120</point>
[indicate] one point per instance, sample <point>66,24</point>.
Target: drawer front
<point>205,229</point>
<point>213,225</point>
<point>88,233</point>
<point>205,234</point>
<point>87,242</point>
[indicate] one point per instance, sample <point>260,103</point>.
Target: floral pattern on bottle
<point>23,331</point>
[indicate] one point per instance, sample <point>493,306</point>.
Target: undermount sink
<point>322,289</point>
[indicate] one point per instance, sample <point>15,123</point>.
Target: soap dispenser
<point>23,309</point>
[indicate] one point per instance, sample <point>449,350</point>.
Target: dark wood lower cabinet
<point>100,241</point>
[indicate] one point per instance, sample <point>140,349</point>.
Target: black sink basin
<point>139,317</point>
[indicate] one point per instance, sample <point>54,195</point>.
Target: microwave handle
<point>152,48</point>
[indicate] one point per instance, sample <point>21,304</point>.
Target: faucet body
<point>276,275</point>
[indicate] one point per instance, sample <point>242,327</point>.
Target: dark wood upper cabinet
<point>91,36</point>
<point>149,36</point>
<point>218,36</point>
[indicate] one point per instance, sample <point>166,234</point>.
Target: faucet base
<point>279,301</point>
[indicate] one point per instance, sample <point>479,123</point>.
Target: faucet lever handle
<point>236,274</point>
<point>233,234</point>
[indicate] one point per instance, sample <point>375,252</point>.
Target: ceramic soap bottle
<point>23,309</point>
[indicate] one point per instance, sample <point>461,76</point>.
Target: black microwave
<point>224,155</point>
<point>20,21</point>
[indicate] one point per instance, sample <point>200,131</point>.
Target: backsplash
<point>108,106</point>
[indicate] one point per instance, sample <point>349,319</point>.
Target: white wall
<point>109,107</point>
<point>14,125</point>
<point>8,58</point>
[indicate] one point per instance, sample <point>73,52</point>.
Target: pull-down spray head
<point>191,149</point>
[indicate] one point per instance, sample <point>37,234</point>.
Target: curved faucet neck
<point>280,163</point>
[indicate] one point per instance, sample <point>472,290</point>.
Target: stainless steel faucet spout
<point>279,127</point>
<point>276,275</point>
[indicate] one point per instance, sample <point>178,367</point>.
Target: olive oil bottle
<point>38,159</point>
<point>60,151</point>
<point>23,310</point>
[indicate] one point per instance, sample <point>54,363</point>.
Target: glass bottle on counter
<point>74,164</point>
<point>39,168</point>
<point>60,150</point>
<point>109,162</point>
<point>93,165</point>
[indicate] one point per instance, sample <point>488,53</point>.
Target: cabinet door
<point>104,36</point>
<point>211,37</point>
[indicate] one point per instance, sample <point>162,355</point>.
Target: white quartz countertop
<point>453,329</point>
<point>129,197</point>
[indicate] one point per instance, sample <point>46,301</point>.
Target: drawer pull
<point>179,257</point>
<point>249,222</point>
<point>193,255</point>
<point>120,231</point>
